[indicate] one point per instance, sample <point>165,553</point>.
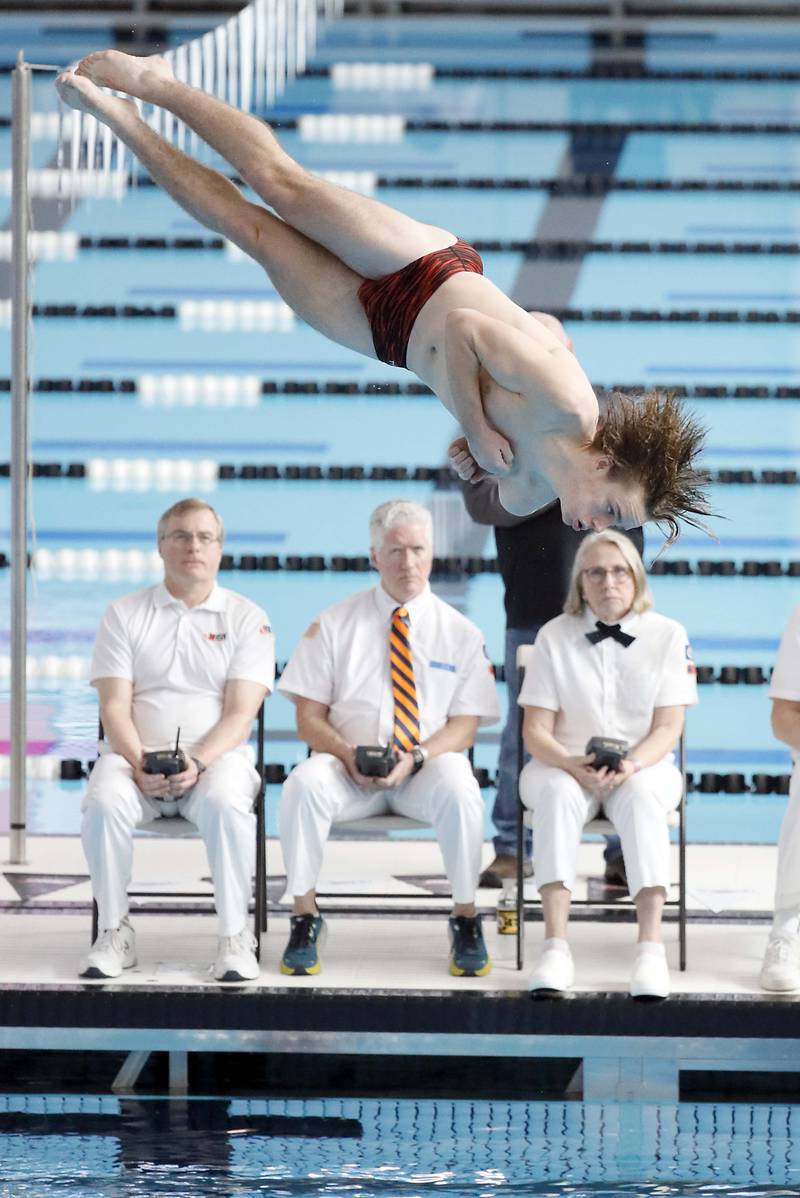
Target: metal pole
<point>20,386</point>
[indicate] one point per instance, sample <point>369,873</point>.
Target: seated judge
<point>609,667</point>
<point>395,666</point>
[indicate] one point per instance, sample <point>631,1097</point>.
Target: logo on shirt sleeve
<point>492,673</point>
<point>264,629</point>
<point>691,668</point>
<point>216,636</point>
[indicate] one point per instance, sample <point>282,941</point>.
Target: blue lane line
<point>196,364</point>
<point>752,114</point>
<point>51,636</point>
<point>209,292</point>
<point>129,536</point>
<point>767,451</point>
<point>703,643</point>
<point>743,169</point>
<point>743,542</point>
<point>191,446</point>
<point>721,370</point>
<point>777,229</point>
<point>743,756</point>
<point>390,164</point>
<point>778,296</point>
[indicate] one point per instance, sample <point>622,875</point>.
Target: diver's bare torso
<point>568,409</point>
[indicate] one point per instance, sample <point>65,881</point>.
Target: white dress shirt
<point>608,689</point>
<point>343,662</point>
<point>785,682</point>
<point>179,658</point>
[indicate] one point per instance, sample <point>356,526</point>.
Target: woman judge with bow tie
<point>608,667</point>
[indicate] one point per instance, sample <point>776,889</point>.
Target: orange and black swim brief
<point>393,303</point>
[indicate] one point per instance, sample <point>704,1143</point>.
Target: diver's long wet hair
<point>653,440</point>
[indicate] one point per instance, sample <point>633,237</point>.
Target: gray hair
<point>182,508</point>
<point>642,596</point>
<point>398,511</point>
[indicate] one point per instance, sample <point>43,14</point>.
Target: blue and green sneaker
<point>468,955</point>
<point>301,956</point>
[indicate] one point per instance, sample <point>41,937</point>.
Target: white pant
<point>637,809</point>
<point>220,804</point>
<point>787,883</point>
<point>320,792</point>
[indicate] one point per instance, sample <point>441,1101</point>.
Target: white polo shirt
<point>607,689</point>
<point>343,662</point>
<point>179,658</point>
<point>785,681</point>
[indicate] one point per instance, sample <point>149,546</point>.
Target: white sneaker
<point>113,950</point>
<point>555,972</point>
<point>236,958</point>
<point>650,977</point>
<point>780,970</point>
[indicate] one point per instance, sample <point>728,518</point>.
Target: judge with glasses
<point>609,667</point>
<point>184,654</point>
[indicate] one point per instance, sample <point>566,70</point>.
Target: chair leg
<point>260,914</point>
<point>520,852</point>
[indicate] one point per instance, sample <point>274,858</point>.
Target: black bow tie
<point>612,630</point>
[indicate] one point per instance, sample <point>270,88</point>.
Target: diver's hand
<point>491,451</point>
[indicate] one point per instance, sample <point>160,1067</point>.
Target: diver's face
<point>597,501</point>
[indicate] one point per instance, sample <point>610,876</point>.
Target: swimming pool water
<point>102,1147</point>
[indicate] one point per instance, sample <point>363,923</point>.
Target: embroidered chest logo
<point>216,636</point>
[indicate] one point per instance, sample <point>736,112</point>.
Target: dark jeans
<point>504,812</point>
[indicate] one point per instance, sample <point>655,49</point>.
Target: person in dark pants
<point>535,556</point>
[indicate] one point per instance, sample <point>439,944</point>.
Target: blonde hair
<point>398,511</point>
<point>642,595</point>
<point>182,508</point>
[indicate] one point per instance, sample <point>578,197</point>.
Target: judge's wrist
<point>419,755</point>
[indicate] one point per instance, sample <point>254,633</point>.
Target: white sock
<point>555,942</point>
<point>785,923</point>
<point>651,946</point>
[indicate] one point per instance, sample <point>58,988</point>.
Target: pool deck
<point>385,988</point>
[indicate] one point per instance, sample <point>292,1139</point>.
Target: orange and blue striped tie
<point>404,690</point>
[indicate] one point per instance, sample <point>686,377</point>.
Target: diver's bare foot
<point>82,94</point>
<point>138,76</point>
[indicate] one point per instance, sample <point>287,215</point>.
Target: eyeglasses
<point>180,537</point>
<point>598,573</point>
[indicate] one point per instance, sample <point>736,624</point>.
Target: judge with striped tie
<point>393,665</point>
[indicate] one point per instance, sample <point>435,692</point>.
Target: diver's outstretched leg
<point>371,238</point>
<point>320,288</point>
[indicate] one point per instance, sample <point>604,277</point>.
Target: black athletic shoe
<point>468,955</point>
<point>306,935</point>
